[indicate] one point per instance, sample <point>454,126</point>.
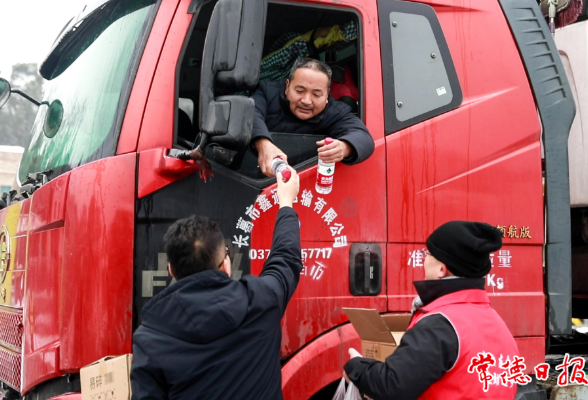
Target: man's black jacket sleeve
<point>281,271</point>
<point>426,352</point>
<point>259,127</point>
<point>351,129</point>
<point>147,380</point>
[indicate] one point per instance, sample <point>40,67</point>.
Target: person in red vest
<point>452,326</point>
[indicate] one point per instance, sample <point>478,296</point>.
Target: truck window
<point>95,76</point>
<point>419,77</point>
<point>324,33</point>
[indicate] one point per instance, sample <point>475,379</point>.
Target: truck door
<point>343,233</point>
<point>463,143</point>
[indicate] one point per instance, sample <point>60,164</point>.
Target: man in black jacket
<point>302,104</point>
<point>208,336</point>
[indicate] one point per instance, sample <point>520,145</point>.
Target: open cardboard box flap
<point>103,359</point>
<point>397,324</point>
<point>373,327</point>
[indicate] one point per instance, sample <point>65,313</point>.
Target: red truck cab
<point>468,106</point>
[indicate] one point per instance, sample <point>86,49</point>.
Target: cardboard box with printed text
<point>380,334</point>
<point>107,379</point>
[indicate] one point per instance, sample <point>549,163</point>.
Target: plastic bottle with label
<point>279,165</point>
<point>324,174</point>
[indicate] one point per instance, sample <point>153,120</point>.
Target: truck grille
<point>11,329</point>
<point>10,368</point>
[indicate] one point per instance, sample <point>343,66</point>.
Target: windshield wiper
<point>33,182</point>
<point>82,31</point>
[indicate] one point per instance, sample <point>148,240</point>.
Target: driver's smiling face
<point>307,92</point>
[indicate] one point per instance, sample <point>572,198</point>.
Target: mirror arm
<point>26,96</point>
<point>197,155</point>
<point>194,6</point>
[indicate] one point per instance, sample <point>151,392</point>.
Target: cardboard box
<point>380,334</point>
<point>107,379</point>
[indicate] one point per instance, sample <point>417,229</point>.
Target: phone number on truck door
<point>316,253</point>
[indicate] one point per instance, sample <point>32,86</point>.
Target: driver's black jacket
<point>272,114</point>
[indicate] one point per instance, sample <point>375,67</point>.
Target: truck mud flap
<point>556,108</point>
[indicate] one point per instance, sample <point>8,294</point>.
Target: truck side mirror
<point>4,91</point>
<point>231,62</point>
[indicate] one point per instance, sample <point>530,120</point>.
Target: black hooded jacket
<point>210,337</point>
<point>272,114</point>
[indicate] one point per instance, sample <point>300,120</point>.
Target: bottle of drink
<point>324,174</point>
<point>279,165</point>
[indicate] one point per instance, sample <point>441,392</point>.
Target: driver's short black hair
<point>313,64</point>
<point>193,245</point>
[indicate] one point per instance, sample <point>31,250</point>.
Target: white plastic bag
<point>340,393</point>
<point>351,394</point>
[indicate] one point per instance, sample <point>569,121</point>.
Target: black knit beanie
<point>464,247</point>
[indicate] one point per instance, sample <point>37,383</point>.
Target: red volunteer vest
<point>479,329</point>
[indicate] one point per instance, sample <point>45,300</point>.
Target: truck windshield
<point>98,70</point>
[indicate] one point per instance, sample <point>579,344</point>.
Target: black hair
<point>193,245</point>
<point>313,64</point>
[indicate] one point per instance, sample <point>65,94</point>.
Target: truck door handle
<point>365,269</point>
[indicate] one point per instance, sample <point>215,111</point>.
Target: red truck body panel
<point>158,121</point>
<point>319,363</point>
<point>74,240</point>
<point>77,298</point>
<point>15,221</point>
<point>479,162</point>
<point>129,136</point>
